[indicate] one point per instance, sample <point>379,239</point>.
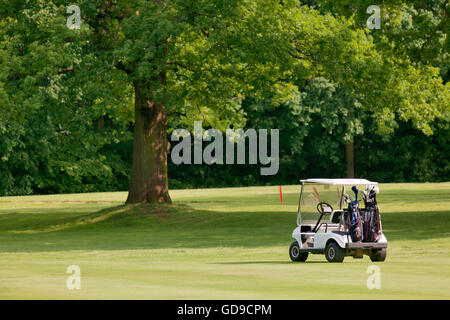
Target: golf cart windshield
<point>314,194</point>
<point>328,191</point>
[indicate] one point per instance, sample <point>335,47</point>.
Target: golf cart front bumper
<point>366,245</point>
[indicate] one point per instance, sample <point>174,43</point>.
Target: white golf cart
<point>322,224</point>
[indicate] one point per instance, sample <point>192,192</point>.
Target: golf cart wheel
<point>378,255</point>
<point>334,253</point>
<point>295,254</point>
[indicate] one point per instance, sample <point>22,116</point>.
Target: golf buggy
<point>331,222</point>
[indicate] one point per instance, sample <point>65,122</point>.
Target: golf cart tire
<point>334,253</point>
<point>378,255</point>
<point>295,254</point>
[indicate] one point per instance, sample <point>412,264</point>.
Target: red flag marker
<point>281,195</point>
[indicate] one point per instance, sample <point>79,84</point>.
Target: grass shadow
<point>154,226</point>
<point>268,262</point>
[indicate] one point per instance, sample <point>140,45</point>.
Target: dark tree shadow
<point>287,261</point>
<point>179,226</point>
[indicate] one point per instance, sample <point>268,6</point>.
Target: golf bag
<point>354,221</point>
<point>371,220</point>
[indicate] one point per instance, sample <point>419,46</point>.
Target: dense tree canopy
<point>69,98</point>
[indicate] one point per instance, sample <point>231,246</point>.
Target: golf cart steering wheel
<point>324,209</point>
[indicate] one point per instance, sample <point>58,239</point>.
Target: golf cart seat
<point>336,216</point>
<point>306,229</point>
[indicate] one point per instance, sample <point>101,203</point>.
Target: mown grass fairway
<point>213,244</point>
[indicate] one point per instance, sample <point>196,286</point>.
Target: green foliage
<point>415,29</point>
<point>313,71</point>
<point>50,104</point>
<point>314,127</point>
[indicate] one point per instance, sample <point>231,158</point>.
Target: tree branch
<point>66,70</point>
<point>119,65</point>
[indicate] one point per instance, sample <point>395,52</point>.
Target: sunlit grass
<point>213,244</point>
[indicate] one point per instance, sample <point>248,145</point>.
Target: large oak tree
<point>197,59</point>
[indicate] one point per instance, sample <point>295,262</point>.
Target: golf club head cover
<point>373,190</point>
<point>355,190</point>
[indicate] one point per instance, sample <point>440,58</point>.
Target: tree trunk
<point>350,159</point>
<point>101,122</point>
<point>149,182</point>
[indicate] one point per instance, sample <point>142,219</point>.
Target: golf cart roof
<point>338,181</point>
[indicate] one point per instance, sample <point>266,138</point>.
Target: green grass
<point>213,244</point>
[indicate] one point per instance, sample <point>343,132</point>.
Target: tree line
<point>91,109</point>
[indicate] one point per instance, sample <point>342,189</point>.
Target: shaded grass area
<point>216,243</point>
<point>180,226</point>
<point>144,227</point>
<point>198,224</point>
